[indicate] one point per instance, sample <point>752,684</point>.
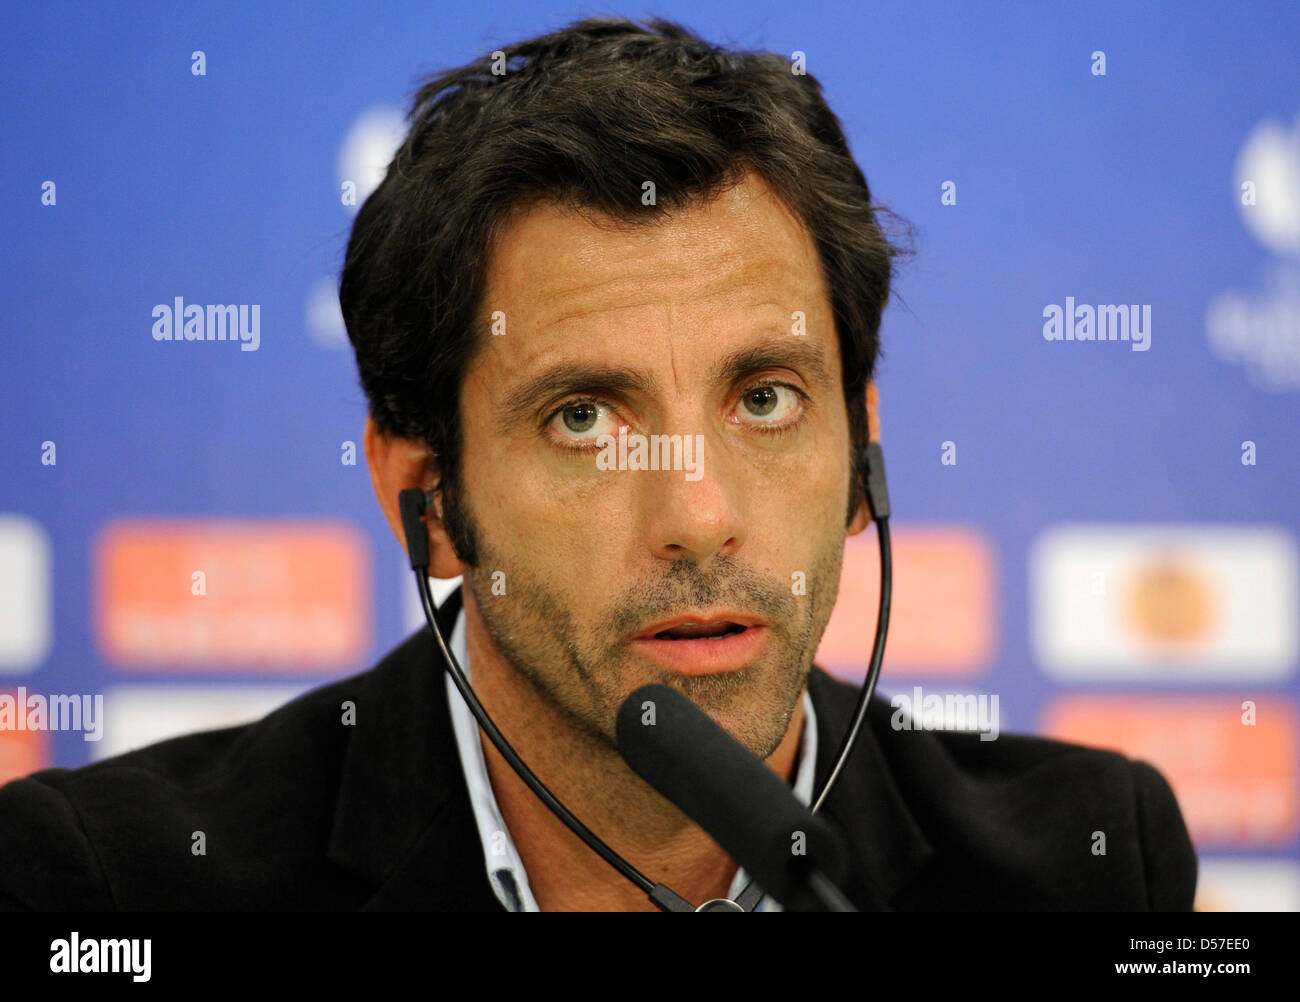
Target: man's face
<point>680,327</point>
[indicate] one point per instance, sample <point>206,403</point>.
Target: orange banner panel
<point>22,752</point>
<point>943,622</point>
<point>184,596</point>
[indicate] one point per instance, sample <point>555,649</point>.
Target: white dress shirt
<point>505,870</point>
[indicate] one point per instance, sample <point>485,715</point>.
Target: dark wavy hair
<point>583,116</point>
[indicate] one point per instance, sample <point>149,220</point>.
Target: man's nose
<point>696,513</point>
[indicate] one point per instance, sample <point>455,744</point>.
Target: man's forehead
<point>739,268</point>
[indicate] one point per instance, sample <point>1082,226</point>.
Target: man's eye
<point>584,420</point>
<point>770,403</point>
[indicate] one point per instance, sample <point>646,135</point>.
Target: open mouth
<point>707,631</point>
<point>719,645</point>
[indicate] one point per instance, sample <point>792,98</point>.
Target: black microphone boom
<point>729,792</point>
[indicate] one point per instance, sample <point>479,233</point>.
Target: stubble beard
<point>586,676</point>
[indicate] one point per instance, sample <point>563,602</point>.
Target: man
<point>602,236</point>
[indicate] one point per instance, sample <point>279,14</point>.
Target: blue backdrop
<point>1117,187</point>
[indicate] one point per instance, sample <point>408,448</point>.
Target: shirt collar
<point>505,870</point>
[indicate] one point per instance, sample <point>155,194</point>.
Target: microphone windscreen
<point>726,789</point>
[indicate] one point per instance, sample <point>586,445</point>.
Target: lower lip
<point>704,656</point>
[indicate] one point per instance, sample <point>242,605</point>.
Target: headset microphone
<point>414,502</point>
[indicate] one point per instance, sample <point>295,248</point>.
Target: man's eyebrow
<point>790,351</point>
<point>568,377</point>
<point>573,377</point>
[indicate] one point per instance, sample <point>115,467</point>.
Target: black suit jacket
<point>302,811</point>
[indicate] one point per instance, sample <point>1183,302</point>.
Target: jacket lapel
<point>886,844</point>
<point>403,819</point>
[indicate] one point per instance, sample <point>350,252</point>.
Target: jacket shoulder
<point>1018,821</point>
<point>1053,824</point>
<point>231,818</point>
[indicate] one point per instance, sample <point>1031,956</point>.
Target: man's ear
<point>399,463</point>
<point>862,517</point>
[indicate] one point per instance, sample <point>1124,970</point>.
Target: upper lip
<point>702,619</point>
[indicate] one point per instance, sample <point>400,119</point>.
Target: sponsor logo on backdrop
<point>289,596</point>
<point>363,159</point>
<point>1240,885</point>
<point>26,595</point>
<point>1259,328</point>
<point>139,715</point>
<point>366,151</point>
<point>1231,760</point>
<point>1165,603</point>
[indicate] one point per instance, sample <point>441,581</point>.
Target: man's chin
<point>751,703</point>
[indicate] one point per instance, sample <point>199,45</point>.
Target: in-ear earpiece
<point>873,476</point>
<point>411,503</point>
